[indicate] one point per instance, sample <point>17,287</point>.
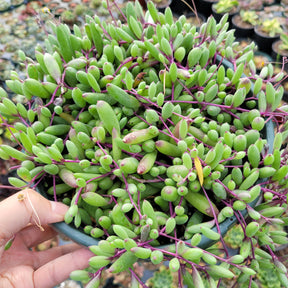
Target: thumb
<point>24,207</point>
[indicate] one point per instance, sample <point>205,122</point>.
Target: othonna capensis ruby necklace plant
<point>154,136</point>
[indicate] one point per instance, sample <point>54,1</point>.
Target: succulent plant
<point>68,17</point>
<point>234,237</point>
<point>80,10</point>
<point>284,43</point>
<point>225,6</point>
<point>268,278</point>
<point>5,5</point>
<point>162,278</point>
<point>154,139</point>
<point>95,3</point>
<point>271,26</point>
<point>249,16</point>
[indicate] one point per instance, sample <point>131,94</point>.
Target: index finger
<point>25,207</point>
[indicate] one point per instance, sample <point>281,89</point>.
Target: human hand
<point>24,215</point>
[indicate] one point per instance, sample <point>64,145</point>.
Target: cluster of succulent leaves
<point>161,278</point>
<point>234,237</point>
<point>268,278</point>
<point>249,16</point>
<point>272,27</point>
<point>153,138</point>
<point>284,39</point>
<point>225,6</point>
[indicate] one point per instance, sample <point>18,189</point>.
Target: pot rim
<point>262,34</point>
<point>278,52</point>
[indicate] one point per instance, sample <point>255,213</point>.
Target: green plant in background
<point>95,3</point>
<point>268,278</point>
<point>80,10</point>
<point>68,17</point>
<point>157,1</point>
<point>234,237</point>
<point>154,140</point>
<point>4,5</point>
<point>249,16</point>
<point>225,6</point>
<point>162,278</point>
<point>284,41</point>
<point>271,26</point>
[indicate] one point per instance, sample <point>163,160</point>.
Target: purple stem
<point>123,63</point>
<point>53,96</point>
<point>227,189</point>
<point>10,187</point>
<point>216,221</point>
<point>137,278</point>
<point>78,195</point>
<point>110,12</point>
<point>120,10</point>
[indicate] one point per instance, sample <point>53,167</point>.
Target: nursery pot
<point>279,54</point>
<point>242,28</point>
<point>263,40</point>
<point>179,7</point>
<point>205,7</point>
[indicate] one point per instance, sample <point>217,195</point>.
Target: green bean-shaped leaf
<point>201,203</point>
<point>14,153</point>
<point>107,116</point>
<point>250,180</point>
<point>64,42</point>
<point>52,67</point>
<point>125,261</point>
<point>122,96</point>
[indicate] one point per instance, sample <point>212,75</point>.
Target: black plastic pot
<point>205,7</point>
<point>242,29</point>
<point>179,7</point>
<point>278,54</point>
<point>263,40</point>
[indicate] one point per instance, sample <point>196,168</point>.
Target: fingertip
<point>59,208</point>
